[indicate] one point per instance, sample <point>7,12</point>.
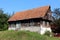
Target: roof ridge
<point>33,8</point>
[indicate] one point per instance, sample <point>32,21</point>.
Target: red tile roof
<point>34,13</point>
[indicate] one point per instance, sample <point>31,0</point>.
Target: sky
<point>10,6</point>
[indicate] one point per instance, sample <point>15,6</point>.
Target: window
<point>25,24</point>
<point>32,24</point>
<point>47,24</point>
<point>13,25</point>
<point>18,25</point>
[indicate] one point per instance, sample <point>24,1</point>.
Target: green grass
<point>24,35</point>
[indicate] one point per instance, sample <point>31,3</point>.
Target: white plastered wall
<point>40,29</point>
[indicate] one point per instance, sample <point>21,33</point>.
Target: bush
<point>48,33</point>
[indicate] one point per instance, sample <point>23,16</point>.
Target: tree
<point>3,20</point>
<point>56,13</point>
<point>56,22</point>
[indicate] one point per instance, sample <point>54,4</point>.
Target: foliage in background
<point>56,13</point>
<point>3,20</point>
<point>56,22</point>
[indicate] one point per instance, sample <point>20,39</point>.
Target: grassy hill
<point>23,35</point>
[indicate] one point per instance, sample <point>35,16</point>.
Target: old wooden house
<point>37,20</point>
